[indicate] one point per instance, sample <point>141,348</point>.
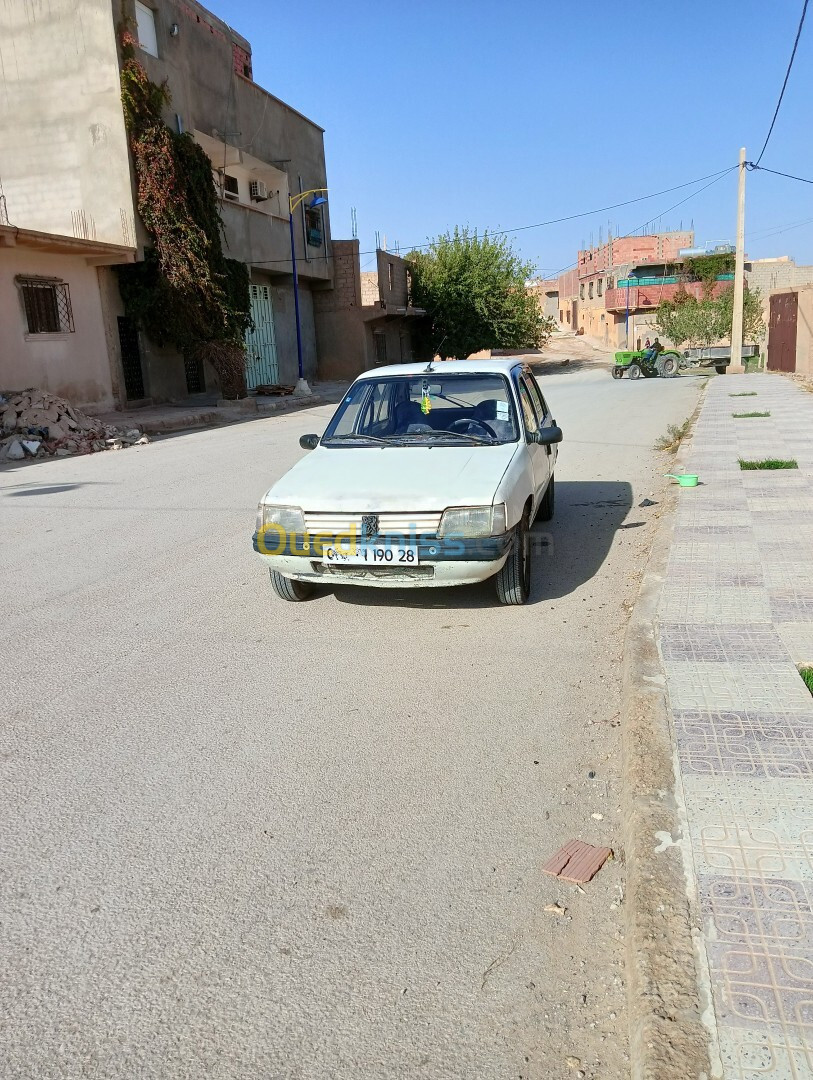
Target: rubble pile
<point>34,423</point>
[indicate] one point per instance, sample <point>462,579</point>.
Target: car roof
<point>501,365</point>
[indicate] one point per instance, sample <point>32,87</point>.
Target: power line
<point>775,230</point>
<point>663,213</point>
<point>752,166</point>
<point>552,221</point>
<point>785,83</point>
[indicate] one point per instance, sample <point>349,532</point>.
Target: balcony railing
<point>634,281</point>
<point>645,296</point>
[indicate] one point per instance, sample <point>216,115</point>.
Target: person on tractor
<point>651,352</point>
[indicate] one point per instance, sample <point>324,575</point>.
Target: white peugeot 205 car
<point>426,476</point>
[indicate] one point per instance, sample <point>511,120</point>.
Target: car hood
<point>357,479</point>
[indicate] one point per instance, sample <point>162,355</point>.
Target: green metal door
<point>261,342</point>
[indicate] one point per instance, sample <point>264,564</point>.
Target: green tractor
<point>647,364</point>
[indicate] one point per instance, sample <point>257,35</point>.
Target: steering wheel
<point>458,424</point>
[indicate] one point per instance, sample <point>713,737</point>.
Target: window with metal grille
<point>313,226</point>
<point>47,305</point>
<point>380,343</point>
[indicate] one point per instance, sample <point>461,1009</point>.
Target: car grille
<point>388,522</point>
<point>394,573</point>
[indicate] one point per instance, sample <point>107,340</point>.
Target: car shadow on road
<point>588,515</point>
<point>567,552</point>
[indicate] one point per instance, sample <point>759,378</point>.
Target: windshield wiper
<point>465,435</point>
<point>355,435</point>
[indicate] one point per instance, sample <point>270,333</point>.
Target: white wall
<point>72,365</point>
<point>63,149</point>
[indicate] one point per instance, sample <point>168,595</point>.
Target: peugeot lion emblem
<point>369,525</point>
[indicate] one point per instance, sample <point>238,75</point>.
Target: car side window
<point>378,412</point>
<point>542,410</point>
<point>528,412</point>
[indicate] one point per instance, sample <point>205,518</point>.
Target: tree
<point>698,323</point>
<point>473,289</point>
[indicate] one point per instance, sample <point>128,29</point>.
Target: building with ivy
<point>75,214</point>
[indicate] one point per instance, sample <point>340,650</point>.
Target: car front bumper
<point>456,561</point>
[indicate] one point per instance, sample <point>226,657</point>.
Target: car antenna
<point>431,362</point>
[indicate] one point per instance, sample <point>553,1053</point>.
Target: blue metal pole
<point>296,296</point>
<point>626,317</point>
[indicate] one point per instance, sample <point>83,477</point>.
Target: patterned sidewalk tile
<point>762,828</point>
<point>798,638</point>
<point>789,504</point>
<point>787,574</point>
<point>761,986</point>
<point>713,572</point>
<point>683,602</point>
<point>745,744</point>
<point>735,618</point>
<point>731,687</point>
<point>790,605</point>
<point>767,1054</point>
<point>766,914</point>
<point>715,644</point>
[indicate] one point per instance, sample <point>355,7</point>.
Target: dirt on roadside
<point>568,351</point>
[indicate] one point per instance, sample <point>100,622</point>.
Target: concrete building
<point>589,296</point>
<point>614,290</point>
<point>365,319</point>
<point>790,329</point>
<point>774,275</point>
<point>65,174</point>
<point>546,292</point>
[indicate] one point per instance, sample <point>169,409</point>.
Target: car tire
<point>721,368</point>
<point>634,372</point>
<point>514,579</point>
<point>618,372</point>
<point>546,507</point>
<point>669,367</point>
<point>287,589</point>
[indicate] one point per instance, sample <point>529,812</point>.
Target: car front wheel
<point>287,589</point>
<point>514,579</point>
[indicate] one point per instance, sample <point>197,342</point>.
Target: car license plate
<point>389,554</point>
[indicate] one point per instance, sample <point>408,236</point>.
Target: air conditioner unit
<point>257,190</point>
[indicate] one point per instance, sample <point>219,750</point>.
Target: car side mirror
<point>547,435</point>
<point>308,442</point>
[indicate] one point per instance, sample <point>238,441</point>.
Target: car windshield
<point>405,410</point>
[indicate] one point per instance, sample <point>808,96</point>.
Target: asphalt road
<point>245,839</point>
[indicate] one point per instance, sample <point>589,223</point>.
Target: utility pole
<point>739,274</point>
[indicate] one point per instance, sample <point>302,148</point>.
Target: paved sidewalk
<point>735,622</point>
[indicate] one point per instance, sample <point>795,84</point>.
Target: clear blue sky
<point>467,112</point>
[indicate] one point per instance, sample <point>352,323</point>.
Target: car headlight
<point>473,521</point>
<point>289,519</point>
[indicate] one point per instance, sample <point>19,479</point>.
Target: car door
<point>543,411</point>
<point>540,460</point>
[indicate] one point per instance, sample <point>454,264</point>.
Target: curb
<point>668,1039</point>
<point>223,416</point>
